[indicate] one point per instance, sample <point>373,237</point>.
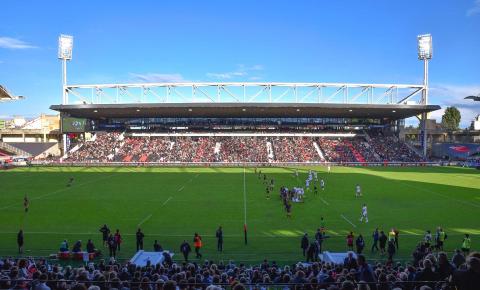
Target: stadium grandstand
<point>239,132</point>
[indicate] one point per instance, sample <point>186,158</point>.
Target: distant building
<point>476,123</point>
<point>37,138</point>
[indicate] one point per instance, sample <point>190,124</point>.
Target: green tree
<point>451,118</point>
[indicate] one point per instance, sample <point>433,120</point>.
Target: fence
<point>234,164</point>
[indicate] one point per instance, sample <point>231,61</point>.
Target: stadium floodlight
<point>65,46</point>
<point>425,52</point>
<point>425,49</point>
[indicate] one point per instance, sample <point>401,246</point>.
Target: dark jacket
<point>185,248</point>
<point>304,244</point>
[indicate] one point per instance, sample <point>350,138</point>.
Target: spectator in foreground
<point>458,258</point>
<point>468,279</point>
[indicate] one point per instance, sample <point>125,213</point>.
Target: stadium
<point>238,185</point>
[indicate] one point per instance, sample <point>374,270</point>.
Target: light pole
<point>425,51</point>
<point>65,46</point>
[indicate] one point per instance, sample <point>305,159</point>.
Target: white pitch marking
<point>348,221</point>
<point>165,202</point>
<point>324,201</point>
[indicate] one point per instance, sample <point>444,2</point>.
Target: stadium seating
<point>261,149</point>
<point>435,271</point>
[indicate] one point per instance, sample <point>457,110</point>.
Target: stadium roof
<point>245,110</point>
<point>5,95</point>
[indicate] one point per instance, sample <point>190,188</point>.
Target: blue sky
<point>290,41</point>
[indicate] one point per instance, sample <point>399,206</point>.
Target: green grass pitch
<point>170,204</point>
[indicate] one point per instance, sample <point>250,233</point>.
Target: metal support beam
<point>293,92</point>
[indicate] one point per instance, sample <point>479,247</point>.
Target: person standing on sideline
<point>319,239</point>
<point>197,243</point>
<point>440,238</point>
<point>219,236</point>
<point>157,247</point>
<point>118,239</point>
<point>311,252</point>
<point>139,236</point>
<point>20,241</point>
<point>383,242</point>
<point>360,244</point>
<point>396,237</point>
<point>391,250</point>
<point>304,244</point>
<point>350,238</point>
<point>375,237</point>
<point>466,245</point>
<point>112,246</point>
<point>185,249</point>
<point>105,233</point>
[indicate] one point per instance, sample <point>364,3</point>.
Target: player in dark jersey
<point>315,189</point>
<point>267,192</point>
<point>70,182</point>
<point>26,203</point>
<point>288,207</point>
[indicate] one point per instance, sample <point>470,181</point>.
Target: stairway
<point>17,151</point>
<point>358,156</point>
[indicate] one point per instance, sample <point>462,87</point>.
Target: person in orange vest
<point>197,243</point>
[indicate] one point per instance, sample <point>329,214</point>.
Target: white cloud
<point>448,95</point>
<point>159,78</point>
<point>13,43</point>
<point>241,71</point>
<point>226,75</point>
<point>475,9</point>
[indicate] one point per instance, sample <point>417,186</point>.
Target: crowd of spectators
<point>433,271</point>
<point>243,149</point>
<point>108,147</point>
<point>102,149</point>
<point>295,149</point>
<point>389,148</point>
<point>336,150</point>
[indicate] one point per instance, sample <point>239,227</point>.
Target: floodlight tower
<point>65,46</point>
<point>425,51</point>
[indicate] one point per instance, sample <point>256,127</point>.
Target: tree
<point>451,118</point>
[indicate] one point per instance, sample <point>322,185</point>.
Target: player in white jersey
<point>296,173</point>
<point>328,168</point>
<point>364,213</point>
<point>315,175</point>
<point>358,190</point>
<point>322,184</point>
<point>307,184</point>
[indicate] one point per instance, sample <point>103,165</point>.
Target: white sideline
<point>348,221</point>
<point>150,215</point>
